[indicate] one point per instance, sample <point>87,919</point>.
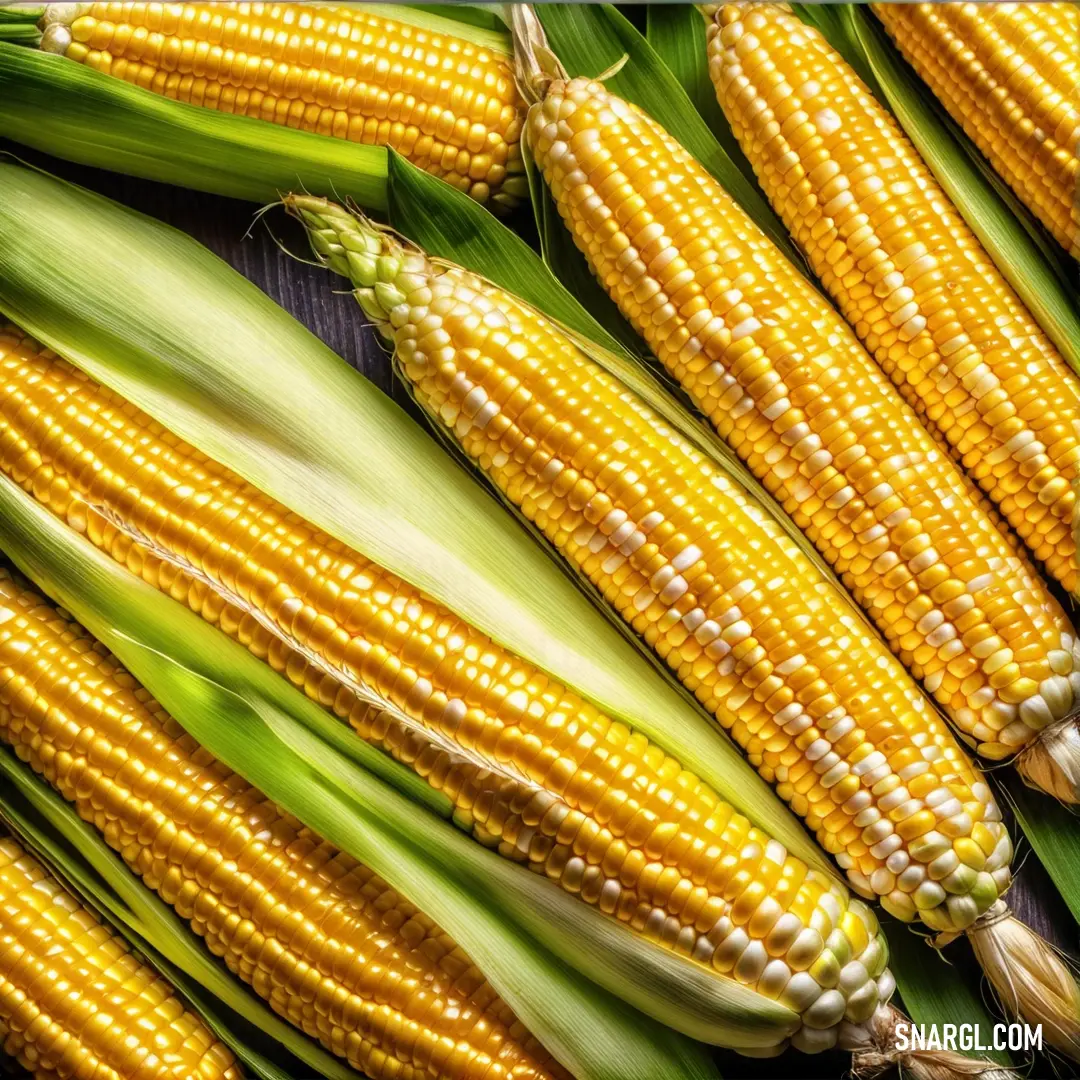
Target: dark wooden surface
<point>307,292</point>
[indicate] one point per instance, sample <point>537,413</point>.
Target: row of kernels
<point>356,46</point>
<point>1022,117</point>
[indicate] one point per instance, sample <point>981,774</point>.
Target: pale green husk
<point>176,331</point>
<point>538,944</point>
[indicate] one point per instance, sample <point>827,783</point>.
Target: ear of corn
<point>512,923</point>
<point>534,413</point>
<point>1009,73</point>
<point>74,1001</point>
<point>786,384</point>
<point>372,978</point>
<point>440,93</point>
<point>454,228</point>
<point>531,769</point>
<point>663,532</point>
<point>946,327</point>
<point>393,498</point>
<point>298,769</point>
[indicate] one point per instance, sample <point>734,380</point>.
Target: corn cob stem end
<point>874,1054</point>
<point>1030,977</point>
<point>1051,763</point>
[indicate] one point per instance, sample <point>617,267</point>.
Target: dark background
<point>307,292</point>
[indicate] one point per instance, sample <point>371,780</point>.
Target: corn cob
<point>788,386</point>
<point>328,944</point>
<point>532,770</point>
<point>905,270</point>
<point>74,1002</point>
<point>663,532</point>
<point>1010,76</point>
<point>448,105</point>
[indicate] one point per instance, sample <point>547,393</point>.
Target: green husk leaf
<point>179,333</point>
<point>77,855</point>
<point>483,16</point>
<point>18,23</point>
<point>934,992</point>
<point>74,112</point>
<point>1032,263</point>
<point>538,944</point>
<point>1052,832</point>
<point>590,38</point>
<point>677,33</point>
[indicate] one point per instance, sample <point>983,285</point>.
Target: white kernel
<point>686,558</point>
<point>827,122</point>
